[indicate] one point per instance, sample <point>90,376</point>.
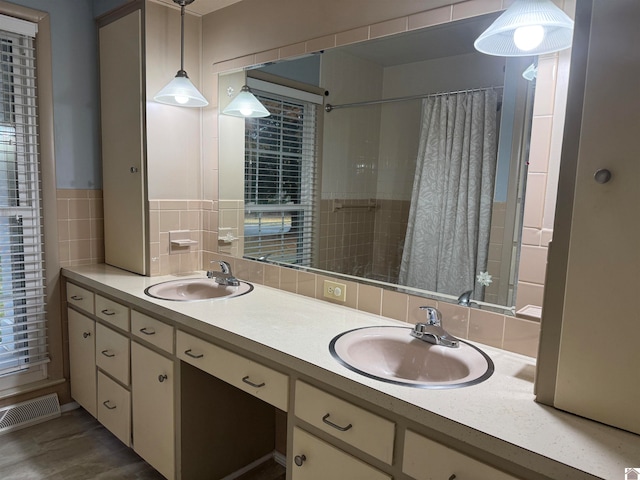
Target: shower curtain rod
<point>328,107</point>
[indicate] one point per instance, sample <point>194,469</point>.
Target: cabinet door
<point>82,354</point>
<point>123,169</point>
<point>321,461</point>
<point>153,408</point>
<point>425,459</point>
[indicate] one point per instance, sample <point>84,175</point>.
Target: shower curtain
<point>447,240</point>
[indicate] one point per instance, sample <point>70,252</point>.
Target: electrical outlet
<point>335,291</point>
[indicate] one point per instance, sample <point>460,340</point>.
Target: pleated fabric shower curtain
<point>447,240</point>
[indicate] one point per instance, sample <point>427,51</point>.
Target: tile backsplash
<point>80,227</point>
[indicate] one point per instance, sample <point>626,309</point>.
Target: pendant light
<point>246,105</point>
<point>180,91</point>
<point>528,27</point>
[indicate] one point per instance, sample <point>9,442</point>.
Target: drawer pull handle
<point>106,404</point>
<point>77,298</point>
<point>192,355</point>
<point>86,334</point>
<point>162,378</point>
<point>254,385</point>
<point>326,420</point>
<point>107,353</point>
<point>148,331</point>
<point>108,312</point>
<point>299,459</point>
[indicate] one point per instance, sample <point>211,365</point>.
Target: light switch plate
<point>335,291</point>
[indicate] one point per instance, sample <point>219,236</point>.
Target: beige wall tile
<point>79,229</point>
<point>529,294</point>
<point>268,56</point>
<point>352,36</point>
<point>79,208</point>
<point>382,29</point>
<point>173,204</point>
<point>414,313</point>
<point>321,43</point>
<point>545,85</point>
<point>63,209</point>
<point>475,7</point>
<point>395,305</point>
<point>289,279</point>
<point>154,226</point>
<point>294,50</point>
<point>96,208</point>
<point>534,203</point>
<point>63,231</point>
<point>430,18</point>
<point>370,299</point>
<point>545,237</point>
<point>64,252</point>
<point>531,236</point>
<point>306,284</point>
<point>272,276</point>
<point>540,144</point>
<point>486,327</point>
<point>521,336</point>
<point>533,264</point>
<point>79,250</point>
<point>455,319</point>
<point>169,220</point>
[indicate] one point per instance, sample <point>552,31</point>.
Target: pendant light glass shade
<point>180,92</point>
<point>246,105</point>
<point>528,27</point>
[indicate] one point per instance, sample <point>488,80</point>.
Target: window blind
<point>22,282</point>
<point>280,180</point>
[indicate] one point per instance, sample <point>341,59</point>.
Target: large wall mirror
<point>412,178</point>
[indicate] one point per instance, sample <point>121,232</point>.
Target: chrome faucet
<point>465,298</point>
<point>431,331</point>
<point>224,276</point>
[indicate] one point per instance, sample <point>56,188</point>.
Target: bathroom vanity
<point>203,389</point>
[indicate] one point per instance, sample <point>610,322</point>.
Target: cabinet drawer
<point>112,312</point>
<point>362,429</point>
<point>321,461</point>
<point>114,408</point>
<point>247,375</point>
<point>112,353</point>
<point>425,459</point>
<point>153,331</point>
<point>80,297</point>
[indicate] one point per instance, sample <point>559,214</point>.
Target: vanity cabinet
<point>252,377</point>
<point>317,460</point>
<point>82,359</point>
<point>354,425</point>
<point>424,459</point>
<point>114,410</point>
<point>152,392</point>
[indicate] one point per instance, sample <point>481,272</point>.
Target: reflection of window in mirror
<point>280,175</point>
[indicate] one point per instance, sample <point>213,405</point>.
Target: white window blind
<point>280,180</point>
<point>22,284</point>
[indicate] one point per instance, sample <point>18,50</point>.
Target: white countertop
<point>498,415</point>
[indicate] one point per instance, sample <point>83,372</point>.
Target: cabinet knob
<point>162,378</point>
<point>602,176</point>
<point>86,334</point>
<point>133,169</point>
<point>299,459</point>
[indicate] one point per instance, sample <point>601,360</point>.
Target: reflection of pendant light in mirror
<point>180,91</point>
<point>527,27</point>
<point>246,105</point>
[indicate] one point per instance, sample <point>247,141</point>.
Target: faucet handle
<point>224,266</point>
<point>434,317</point>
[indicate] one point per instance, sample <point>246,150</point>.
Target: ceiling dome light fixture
<point>528,27</point>
<point>180,91</point>
<point>246,105</point>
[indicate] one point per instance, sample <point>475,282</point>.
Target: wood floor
<point>76,447</point>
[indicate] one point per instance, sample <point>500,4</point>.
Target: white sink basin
<point>193,289</point>
<point>392,355</point>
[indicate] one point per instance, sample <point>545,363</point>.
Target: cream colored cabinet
<point>315,459</point>
<point>424,459</point>
<point>352,424</point>
<point>252,377</point>
<point>112,353</point>
<point>82,360</point>
<point>122,106</point>
<point>112,312</point>
<point>114,408</point>
<point>152,393</point>
<point>153,331</point>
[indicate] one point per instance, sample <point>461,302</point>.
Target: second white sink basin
<point>392,355</point>
<point>193,289</point>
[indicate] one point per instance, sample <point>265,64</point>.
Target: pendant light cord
<point>182,39</point>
